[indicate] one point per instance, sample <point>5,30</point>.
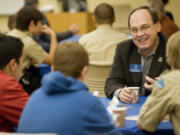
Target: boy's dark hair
<point>30,2</point>
<point>25,15</point>
<point>152,13</point>
<point>70,58</point>
<point>104,13</point>
<point>165,2</point>
<point>10,48</point>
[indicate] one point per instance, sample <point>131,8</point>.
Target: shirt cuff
<point>116,93</point>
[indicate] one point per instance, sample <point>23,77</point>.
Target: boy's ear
<point>12,65</point>
<point>94,21</point>
<point>159,26</point>
<point>83,73</point>
<point>31,23</point>
<point>52,68</point>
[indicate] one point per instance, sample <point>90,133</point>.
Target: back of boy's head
<point>70,58</point>
<point>173,50</point>
<point>104,13</point>
<point>30,2</point>
<point>10,48</point>
<point>25,15</point>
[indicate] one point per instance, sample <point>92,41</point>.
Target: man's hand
<point>149,83</point>
<point>74,28</point>
<point>126,95</point>
<point>47,30</point>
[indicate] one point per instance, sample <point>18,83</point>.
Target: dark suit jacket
<point>126,54</point>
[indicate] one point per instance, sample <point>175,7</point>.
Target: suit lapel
<point>135,58</point>
<point>158,60</point>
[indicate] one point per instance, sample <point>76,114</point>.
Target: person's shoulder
<point>9,82</point>
<point>88,97</point>
<point>14,33</point>
<point>168,79</point>
<point>120,36</point>
<point>84,38</point>
<point>171,74</point>
<point>126,44</point>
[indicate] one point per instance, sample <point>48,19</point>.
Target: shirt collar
<point>150,53</point>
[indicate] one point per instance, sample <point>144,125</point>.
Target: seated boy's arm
<point>157,105</point>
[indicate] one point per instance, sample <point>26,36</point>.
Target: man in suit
<point>140,60</point>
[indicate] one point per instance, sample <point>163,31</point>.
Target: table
<point>164,128</point>
<point>44,68</point>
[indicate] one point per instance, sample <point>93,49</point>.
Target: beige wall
<point>54,3</point>
<point>173,6</point>
<point>3,23</point>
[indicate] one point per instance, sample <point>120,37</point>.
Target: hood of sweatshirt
<point>56,82</point>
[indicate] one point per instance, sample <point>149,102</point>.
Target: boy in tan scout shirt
<point>164,99</point>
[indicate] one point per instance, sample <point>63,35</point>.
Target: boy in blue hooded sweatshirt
<point>63,104</point>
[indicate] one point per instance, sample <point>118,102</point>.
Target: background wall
<point>173,6</point>
<point>122,7</point>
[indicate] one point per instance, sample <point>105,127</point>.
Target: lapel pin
<point>160,59</point>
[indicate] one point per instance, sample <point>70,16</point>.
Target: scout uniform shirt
<point>33,52</point>
<point>163,101</point>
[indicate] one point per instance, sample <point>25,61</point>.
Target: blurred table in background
<point>60,22</point>
<point>44,68</point>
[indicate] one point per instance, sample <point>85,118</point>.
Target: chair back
<point>96,76</point>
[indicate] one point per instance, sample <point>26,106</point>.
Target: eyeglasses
<point>144,28</point>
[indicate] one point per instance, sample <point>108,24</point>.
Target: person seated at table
<point>140,59</point>
<point>168,27</point>
<point>164,100</point>
<point>63,104</point>
<point>168,13</point>
<point>101,43</point>
<point>28,23</point>
<point>43,39</point>
<point>12,21</point>
<point>12,95</point>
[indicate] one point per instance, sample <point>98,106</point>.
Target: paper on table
<point>134,117</point>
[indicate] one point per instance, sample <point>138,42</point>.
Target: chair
<point>96,76</point>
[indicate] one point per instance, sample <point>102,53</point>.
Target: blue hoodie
<point>63,105</point>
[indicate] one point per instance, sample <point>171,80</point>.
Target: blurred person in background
<point>168,27</point>
<point>101,43</point>
<point>29,23</point>
<point>43,39</point>
<point>73,5</point>
<point>12,95</point>
<point>168,13</point>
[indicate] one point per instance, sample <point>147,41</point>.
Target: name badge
<point>135,68</point>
